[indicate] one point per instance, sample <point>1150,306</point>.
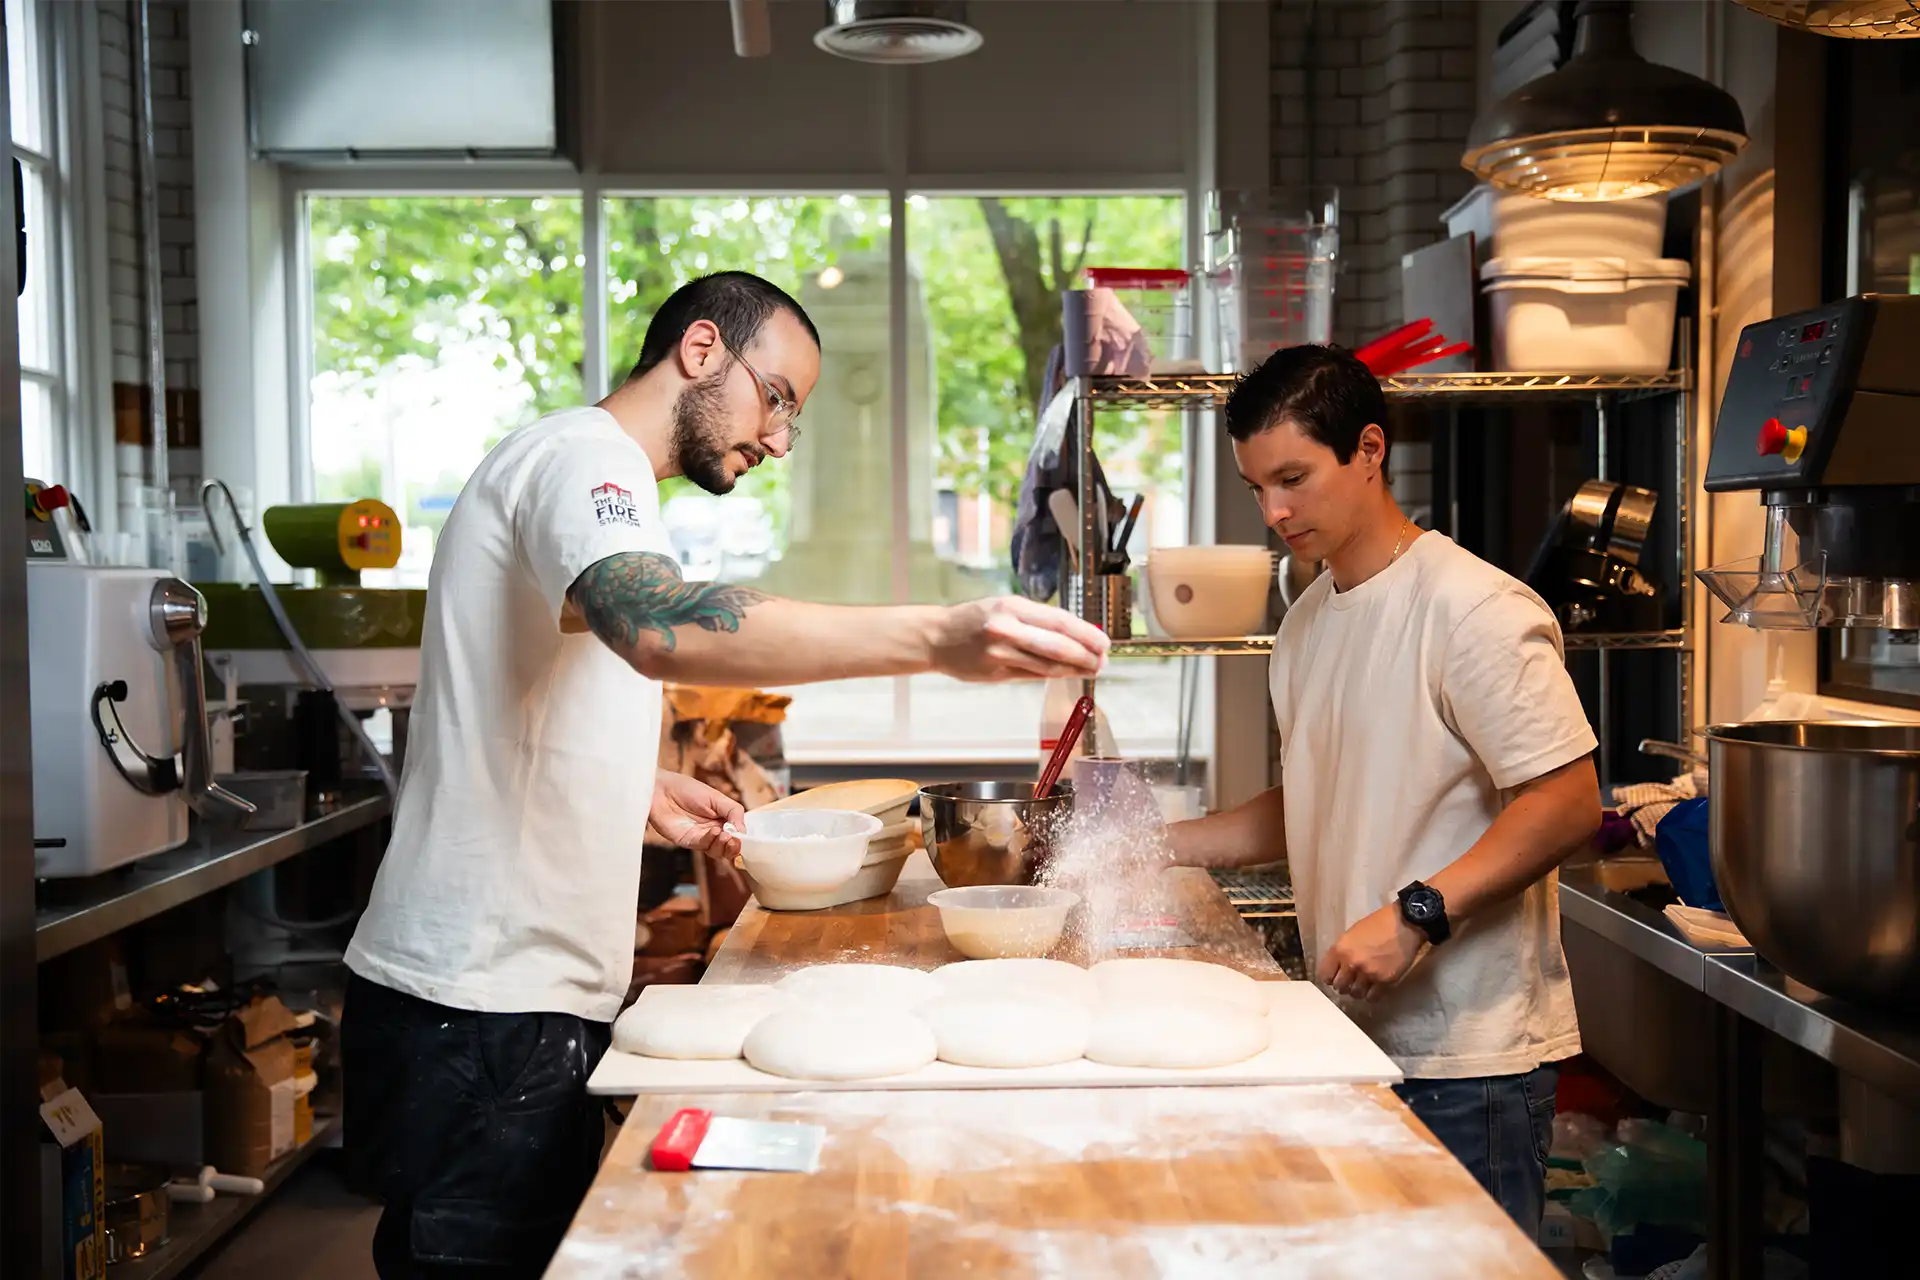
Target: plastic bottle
<point>1061,695</point>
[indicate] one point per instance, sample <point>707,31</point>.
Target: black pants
<point>474,1129</point>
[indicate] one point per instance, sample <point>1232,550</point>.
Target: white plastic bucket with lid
<point>1585,315</point>
<point>1510,224</point>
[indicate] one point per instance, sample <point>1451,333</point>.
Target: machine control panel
<point>1793,381</point>
<point>43,535</point>
<point>369,535</point>
<point>1790,375</point>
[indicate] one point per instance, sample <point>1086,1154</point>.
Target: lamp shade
<point>1608,125</point>
<point>1850,19</point>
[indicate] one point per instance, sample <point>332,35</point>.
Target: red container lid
<point>1137,278</point>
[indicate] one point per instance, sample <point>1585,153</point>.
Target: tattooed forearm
<point>636,594</point>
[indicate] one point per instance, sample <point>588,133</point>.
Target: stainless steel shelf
<point>1880,1048</point>
<point>1537,386</point>
<point>195,1228</point>
<point>1210,390</point>
<point>72,913</point>
<point>1260,646</point>
<point>1155,647</point>
<point>1625,640</point>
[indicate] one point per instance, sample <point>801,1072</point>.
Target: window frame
<point>302,184</point>
<point>65,82</point>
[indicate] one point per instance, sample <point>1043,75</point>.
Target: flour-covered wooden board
<point>1313,1043</point>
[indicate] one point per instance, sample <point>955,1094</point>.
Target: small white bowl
<point>806,850</point>
<point>998,921</point>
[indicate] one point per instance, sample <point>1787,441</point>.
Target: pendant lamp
<point>1848,19</point>
<point>1608,125</point>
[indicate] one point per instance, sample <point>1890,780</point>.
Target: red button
<point>1773,437</point>
<point>51,498</point>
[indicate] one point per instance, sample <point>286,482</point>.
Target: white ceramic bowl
<point>1205,593</point>
<point>806,850</point>
<point>996,921</point>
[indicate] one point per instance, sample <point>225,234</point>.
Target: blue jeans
<point>1500,1127</point>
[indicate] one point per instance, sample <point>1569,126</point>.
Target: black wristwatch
<point>1424,909</point>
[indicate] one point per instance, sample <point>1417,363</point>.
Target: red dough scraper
<point>696,1139</point>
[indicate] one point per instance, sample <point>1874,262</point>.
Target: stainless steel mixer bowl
<point>1814,833</point>
<point>991,832</point>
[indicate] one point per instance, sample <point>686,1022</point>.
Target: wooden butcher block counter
<point>1227,1181</point>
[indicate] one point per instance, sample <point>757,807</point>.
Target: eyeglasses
<point>782,411</point>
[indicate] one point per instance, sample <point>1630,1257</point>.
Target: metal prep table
<point>1748,995</point>
<point>1125,1183</point>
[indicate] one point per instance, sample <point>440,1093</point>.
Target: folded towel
<point>1645,803</point>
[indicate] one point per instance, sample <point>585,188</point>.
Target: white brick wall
<point>173,165</point>
<point>1374,97</point>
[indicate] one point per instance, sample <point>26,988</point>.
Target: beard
<point>700,435</point>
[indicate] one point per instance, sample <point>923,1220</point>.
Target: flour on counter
<point>1151,1124</point>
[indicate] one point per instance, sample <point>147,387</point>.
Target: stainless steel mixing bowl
<point>1814,832</point>
<point>991,832</point>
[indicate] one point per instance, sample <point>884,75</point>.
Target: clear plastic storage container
<point>1271,272</point>
<point>1140,321</point>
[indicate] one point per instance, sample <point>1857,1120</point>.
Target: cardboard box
<point>129,1058</point>
<point>252,1088</point>
<point>154,1128</point>
<point>73,1187</point>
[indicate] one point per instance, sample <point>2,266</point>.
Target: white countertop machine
<point>119,720</point>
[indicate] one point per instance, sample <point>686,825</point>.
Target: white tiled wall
<point>1374,97</point>
<point>173,151</point>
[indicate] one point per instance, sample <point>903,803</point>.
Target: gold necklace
<point>1404,526</point>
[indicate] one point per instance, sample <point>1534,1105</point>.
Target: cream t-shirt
<point>1406,707</point>
<point>512,877</point>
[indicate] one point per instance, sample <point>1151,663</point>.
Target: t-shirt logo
<point>614,505</point>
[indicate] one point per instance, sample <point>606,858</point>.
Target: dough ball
<point>694,1021</point>
<point>821,1042</point>
<point>1194,1031</point>
<point>1003,1030</point>
<point>1155,978</point>
<point>1031,979</point>
<point>886,986</point>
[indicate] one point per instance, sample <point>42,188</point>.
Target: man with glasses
<point>498,944</point>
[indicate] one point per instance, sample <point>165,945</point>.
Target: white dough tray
<point>1313,1043</point>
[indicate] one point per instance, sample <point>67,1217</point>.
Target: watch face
<point>1420,907</point>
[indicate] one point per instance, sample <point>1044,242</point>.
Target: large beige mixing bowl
<point>1814,832</point>
<point>991,832</point>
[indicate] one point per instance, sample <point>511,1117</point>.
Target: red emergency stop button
<point>1776,438</point>
<point>1773,437</point>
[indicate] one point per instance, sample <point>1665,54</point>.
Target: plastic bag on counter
<point>1681,842</point>
<point>729,739</point>
<point>1650,1174</point>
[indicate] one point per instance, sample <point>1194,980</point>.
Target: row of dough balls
<point>861,1021</point>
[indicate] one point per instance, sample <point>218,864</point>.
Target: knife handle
<point>679,1139</point>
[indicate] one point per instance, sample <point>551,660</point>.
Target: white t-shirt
<point>1406,707</point>
<point>513,874</point>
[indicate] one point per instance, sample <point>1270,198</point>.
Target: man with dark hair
<point>1435,769</point>
<point>498,944</point>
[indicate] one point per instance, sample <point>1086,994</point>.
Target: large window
<point>45,367</point>
<point>441,323</point>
